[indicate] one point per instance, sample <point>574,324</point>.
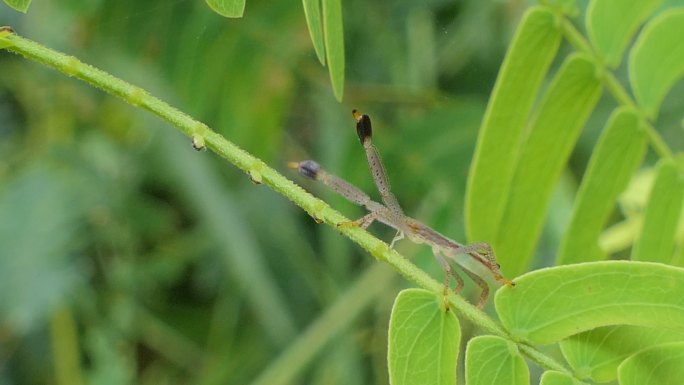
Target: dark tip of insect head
<point>309,169</point>
<point>363,126</point>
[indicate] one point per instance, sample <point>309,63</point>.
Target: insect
<point>390,213</point>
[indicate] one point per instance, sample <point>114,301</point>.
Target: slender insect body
<point>470,258</point>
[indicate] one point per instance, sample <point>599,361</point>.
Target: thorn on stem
<point>255,177</point>
<point>198,143</point>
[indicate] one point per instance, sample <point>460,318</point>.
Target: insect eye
<point>309,168</point>
<point>363,127</point>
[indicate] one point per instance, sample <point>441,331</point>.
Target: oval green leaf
<point>656,61</point>
<point>423,340</point>
<point>564,110</point>
<point>611,24</point>
<point>551,304</point>
<point>314,21</point>
<point>552,377</point>
<point>597,353</point>
<point>334,44</point>
<point>527,61</point>
<point>492,360</point>
<point>617,155</point>
<point>657,239</point>
<point>557,378</point>
<point>661,365</point>
<point>19,5</point>
<point>227,8</point>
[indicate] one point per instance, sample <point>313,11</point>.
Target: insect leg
<point>365,132</point>
<point>448,273</point>
<point>483,253</point>
<point>484,294</point>
<point>397,237</point>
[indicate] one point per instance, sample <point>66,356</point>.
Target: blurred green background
<point>128,257</point>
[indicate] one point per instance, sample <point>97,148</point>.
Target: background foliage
<point>127,257</point>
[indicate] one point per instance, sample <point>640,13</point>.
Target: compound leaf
<point>527,61</point>
<point>563,111</point>
<point>618,153</point>
<point>611,25</point>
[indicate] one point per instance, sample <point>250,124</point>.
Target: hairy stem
<point>202,135</point>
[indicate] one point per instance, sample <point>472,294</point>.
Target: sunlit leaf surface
<point>423,340</point>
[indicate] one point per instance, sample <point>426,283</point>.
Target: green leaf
<point>657,239</point>
<point>423,340</point>
<point>617,155</point>
<point>661,365</point>
<point>334,44</point>
<point>597,353</point>
<point>312,12</point>
<point>551,377</point>
<point>571,97</point>
<point>19,5</point>
<point>551,304</point>
<point>656,61</point>
<point>492,360</point>
<point>527,61</point>
<point>678,258</point>
<point>611,25</point>
<point>227,8</point>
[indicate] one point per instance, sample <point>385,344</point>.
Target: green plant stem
<point>258,171</point>
<point>581,44</point>
<point>543,360</point>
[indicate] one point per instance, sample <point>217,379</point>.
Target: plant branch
<point>258,171</point>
